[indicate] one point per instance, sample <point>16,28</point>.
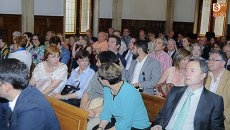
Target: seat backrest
<point>69,117</point>
<point>153,105</point>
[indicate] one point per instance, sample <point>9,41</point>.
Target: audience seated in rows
<point>50,75</point>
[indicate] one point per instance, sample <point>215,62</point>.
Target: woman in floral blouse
<point>38,49</point>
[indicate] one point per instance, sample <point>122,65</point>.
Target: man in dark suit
<point>30,109</point>
<point>205,48</point>
<point>206,109</point>
<point>144,72</point>
<point>4,109</point>
<point>171,46</point>
<point>114,43</point>
<point>226,50</point>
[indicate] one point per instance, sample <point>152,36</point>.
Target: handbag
<point>68,89</point>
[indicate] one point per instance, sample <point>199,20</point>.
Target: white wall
<point>106,9</point>
<point>144,9</point>
<point>49,7</point>
<point>184,10</point>
<point>10,7</point>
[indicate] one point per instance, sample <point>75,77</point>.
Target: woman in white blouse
<point>50,75</point>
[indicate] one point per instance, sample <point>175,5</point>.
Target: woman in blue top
<point>121,101</point>
<point>78,77</point>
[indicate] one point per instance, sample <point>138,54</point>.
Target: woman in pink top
<point>175,74</point>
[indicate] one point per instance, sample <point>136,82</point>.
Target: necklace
<point>113,92</point>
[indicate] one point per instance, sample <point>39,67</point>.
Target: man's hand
<point>156,127</point>
<point>136,85</point>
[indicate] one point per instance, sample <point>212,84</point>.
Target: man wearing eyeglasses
<point>218,81</point>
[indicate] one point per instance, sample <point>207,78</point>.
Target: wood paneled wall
<point>8,24</point>
<point>228,31</point>
<point>183,27</point>
<point>104,24</point>
<point>42,24</point>
<point>148,25</point>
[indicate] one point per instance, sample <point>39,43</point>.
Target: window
<point>205,16</point>
<point>209,23</point>
<point>85,15</point>
<point>70,17</point>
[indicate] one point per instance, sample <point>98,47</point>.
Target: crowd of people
<point>106,72</point>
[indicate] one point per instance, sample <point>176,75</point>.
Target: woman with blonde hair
<point>175,74</point>
<point>50,75</point>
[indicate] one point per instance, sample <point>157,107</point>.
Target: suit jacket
<point>209,113</point>
<point>205,53</point>
<point>125,53</point>
<point>4,110</point>
<point>228,67</point>
<point>32,112</point>
<point>149,75</point>
<point>223,90</point>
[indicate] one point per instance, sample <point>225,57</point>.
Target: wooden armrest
<point>153,105</point>
<point>164,88</point>
<point>69,117</point>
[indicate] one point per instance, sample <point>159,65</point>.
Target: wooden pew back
<point>153,105</point>
<point>69,117</point>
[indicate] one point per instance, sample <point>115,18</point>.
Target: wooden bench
<point>69,117</point>
<point>153,105</point>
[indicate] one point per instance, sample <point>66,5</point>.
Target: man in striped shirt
<point>160,55</point>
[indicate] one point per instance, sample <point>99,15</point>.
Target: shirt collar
<point>13,103</point>
<point>142,60</point>
<point>218,77</point>
<point>196,92</point>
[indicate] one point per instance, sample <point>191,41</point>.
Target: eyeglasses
<point>213,60</point>
<point>83,60</point>
<point>100,77</point>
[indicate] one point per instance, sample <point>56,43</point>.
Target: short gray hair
<point>203,65</point>
<point>16,34</point>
